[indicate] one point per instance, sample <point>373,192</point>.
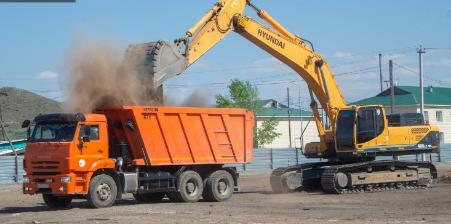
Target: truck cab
<point>63,152</point>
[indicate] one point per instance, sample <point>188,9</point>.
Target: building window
<point>439,116</point>
<point>442,138</point>
<point>426,116</point>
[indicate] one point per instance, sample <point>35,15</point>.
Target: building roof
<point>283,112</point>
<point>410,95</point>
<point>271,103</point>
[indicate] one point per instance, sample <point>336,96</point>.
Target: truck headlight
<point>26,180</point>
<point>65,180</point>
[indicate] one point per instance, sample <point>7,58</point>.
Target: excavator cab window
<point>370,123</point>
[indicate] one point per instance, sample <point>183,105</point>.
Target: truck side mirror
<point>85,132</point>
<point>85,139</point>
<point>26,123</point>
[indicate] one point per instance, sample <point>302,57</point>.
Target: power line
<point>256,66</point>
<point>405,68</point>
<point>438,48</point>
<point>363,70</point>
<point>386,51</point>
<point>274,82</point>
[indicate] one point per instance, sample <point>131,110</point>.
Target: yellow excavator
<point>355,134</point>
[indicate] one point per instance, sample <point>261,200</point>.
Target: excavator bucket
<point>160,60</point>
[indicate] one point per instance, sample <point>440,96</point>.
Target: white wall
<point>445,125</point>
<point>310,135</point>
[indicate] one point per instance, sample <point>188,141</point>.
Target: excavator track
<point>377,176</point>
<point>372,176</point>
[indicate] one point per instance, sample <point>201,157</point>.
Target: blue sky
<point>34,39</point>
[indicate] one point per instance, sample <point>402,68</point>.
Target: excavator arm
<point>170,59</point>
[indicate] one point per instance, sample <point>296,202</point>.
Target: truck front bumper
<point>58,185</point>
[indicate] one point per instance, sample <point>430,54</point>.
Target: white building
<point>437,105</point>
<point>298,120</point>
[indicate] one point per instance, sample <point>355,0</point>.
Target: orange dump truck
<point>151,152</point>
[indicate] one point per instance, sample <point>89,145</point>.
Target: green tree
<point>266,133</point>
<point>244,95</point>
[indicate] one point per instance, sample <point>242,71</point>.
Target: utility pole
<point>421,51</point>
<point>392,86</point>
<point>289,117</point>
<point>380,73</point>
<point>302,121</point>
<point>300,118</point>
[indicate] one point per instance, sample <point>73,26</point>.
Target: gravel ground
<point>253,204</point>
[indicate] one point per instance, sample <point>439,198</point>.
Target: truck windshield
<point>53,132</point>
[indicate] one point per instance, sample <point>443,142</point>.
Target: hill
<point>18,105</point>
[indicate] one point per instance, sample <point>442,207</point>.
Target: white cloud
<point>342,55</point>
<point>47,75</point>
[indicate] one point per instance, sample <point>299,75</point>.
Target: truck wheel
<point>149,197</point>
<point>190,187</point>
<point>56,202</point>
<point>219,186</point>
<point>102,191</point>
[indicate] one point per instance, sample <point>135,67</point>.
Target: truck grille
<point>45,167</point>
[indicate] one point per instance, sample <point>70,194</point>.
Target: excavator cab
<point>358,125</point>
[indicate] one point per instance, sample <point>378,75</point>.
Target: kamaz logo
<point>271,38</point>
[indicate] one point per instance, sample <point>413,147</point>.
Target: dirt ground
<point>253,204</point>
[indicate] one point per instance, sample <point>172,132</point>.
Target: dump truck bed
<point>159,136</point>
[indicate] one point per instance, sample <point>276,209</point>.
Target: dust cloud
<point>198,98</point>
<point>98,77</point>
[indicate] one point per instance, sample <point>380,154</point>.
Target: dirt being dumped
<point>98,77</point>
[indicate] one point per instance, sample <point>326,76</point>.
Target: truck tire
<point>56,202</point>
<point>189,187</point>
<point>102,191</point>
<point>219,186</point>
<point>149,197</point>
